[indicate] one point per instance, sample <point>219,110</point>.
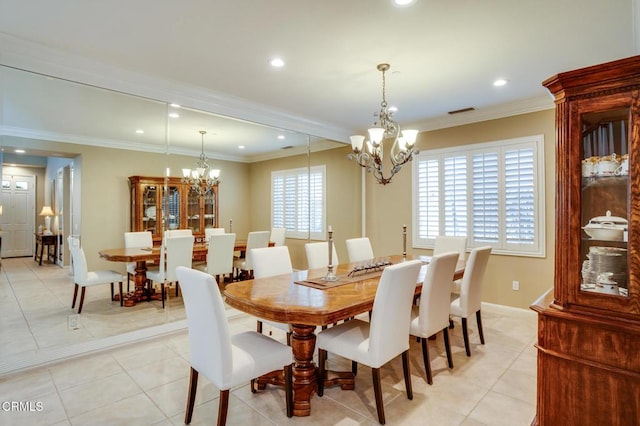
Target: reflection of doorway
<point>18,215</point>
<point>62,203</point>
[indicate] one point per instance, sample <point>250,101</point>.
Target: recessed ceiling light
<point>402,3</point>
<point>280,137</point>
<point>174,115</point>
<point>276,63</point>
<point>174,105</point>
<point>139,131</point>
<point>19,151</point>
<point>500,82</point>
<point>240,146</point>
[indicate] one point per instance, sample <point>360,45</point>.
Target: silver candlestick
<point>231,226</point>
<point>331,275</point>
<point>404,241</point>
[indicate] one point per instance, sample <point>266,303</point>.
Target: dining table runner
<point>321,284</point>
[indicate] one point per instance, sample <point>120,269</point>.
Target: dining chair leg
<point>425,359</point>
<point>447,346</point>
<point>259,326</point>
<point>406,369</point>
<point>75,295</point>
<point>120,290</point>
<point>377,390</point>
<point>191,395</point>
<point>177,288</point>
<point>479,321</point>
<point>465,336</point>
<point>223,407</point>
<point>162,292</point>
<point>288,389</point>
<point>322,357</point>
<point>354,368</point>
<point>81,300</point>
<point>112,292</point>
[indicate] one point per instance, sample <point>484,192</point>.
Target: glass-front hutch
<point>185,209</point>
<point>589,326</point>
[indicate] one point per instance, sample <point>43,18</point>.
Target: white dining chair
<point>385,337</point>
<point>142,239</point>
<point>318,255</point>
<point>255,239</point>
<point>445,244</point>
<point>208,232</point>
<point>84,278</point>
<point>359,249</point>
<point>278,236</point>
<point>432,315</point>
<point>178,232</point>
<point>267,262</point>
<point>470,299</point>
<point>225,360</point>
<point>175,251</point>
<point>220,256</point>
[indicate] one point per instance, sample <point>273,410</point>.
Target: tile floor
<point>145,382</point>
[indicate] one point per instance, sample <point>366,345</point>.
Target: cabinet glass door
<point>193,211</point>
<point>209,210</point>
<point>149,207</point>
<point>173,204</point>
<point>605,202</point>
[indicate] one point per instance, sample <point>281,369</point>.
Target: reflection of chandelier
<point>202,178</point>
<point>385,127</point>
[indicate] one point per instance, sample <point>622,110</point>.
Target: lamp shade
<point>46,211</point>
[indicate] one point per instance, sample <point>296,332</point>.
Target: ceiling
<point>213,56</point>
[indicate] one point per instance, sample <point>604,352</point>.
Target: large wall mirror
<point>88,140</point>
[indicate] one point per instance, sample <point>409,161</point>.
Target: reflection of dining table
<point>280,298</point>
<point>143,255</point>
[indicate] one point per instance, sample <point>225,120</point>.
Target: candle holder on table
<point>331,275</point>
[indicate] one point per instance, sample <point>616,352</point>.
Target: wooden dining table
<point>290,299</point>
<point>149,254</point>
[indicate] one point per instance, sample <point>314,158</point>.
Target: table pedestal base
<point>305,373</point>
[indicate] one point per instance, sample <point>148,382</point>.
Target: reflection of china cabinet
<point>589,328</point>
<point>182,207</point>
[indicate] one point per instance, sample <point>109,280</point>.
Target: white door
<point>18,215</point>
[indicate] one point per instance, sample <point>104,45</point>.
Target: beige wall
<point>389,207</point>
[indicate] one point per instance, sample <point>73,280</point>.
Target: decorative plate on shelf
<point>150,212</point>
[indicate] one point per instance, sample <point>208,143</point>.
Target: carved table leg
<point>303,342</point>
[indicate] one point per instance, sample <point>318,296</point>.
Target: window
<point>298,202</point>
<point>492,193</point>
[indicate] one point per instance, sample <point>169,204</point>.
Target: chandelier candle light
<point>371,155</point>
<point>331,275</point>
<point>404,241</point>
<point>202,179</point>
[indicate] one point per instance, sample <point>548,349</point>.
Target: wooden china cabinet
<point>589,326</point>
<point>186,209</point>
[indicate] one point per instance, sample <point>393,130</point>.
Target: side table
<point>43,241</point>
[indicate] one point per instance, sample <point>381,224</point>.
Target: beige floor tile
<point>84,369</point>
<point>496,409</point>
<point>43,410</point>
<point>159,372</point>
<point>98,393</point>
<point>132,411</point>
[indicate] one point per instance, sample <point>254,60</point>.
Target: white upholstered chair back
<point>255,239</point>
<point>471,289</point>
<point>445,244</point>
<point>208,232</point>
<point>220,254</point>
<point>359,249</point>
<point>391,314</point>
<point>270,261</point>
<point>278,236</point>
<point>318,255</point>
<point>435,297</point>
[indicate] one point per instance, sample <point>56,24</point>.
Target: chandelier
<point>202,178</point>
<point>369,154</point>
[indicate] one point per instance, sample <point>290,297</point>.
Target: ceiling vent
<point>458,111</point>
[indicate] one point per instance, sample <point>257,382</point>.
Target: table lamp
<point>47,213</point>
